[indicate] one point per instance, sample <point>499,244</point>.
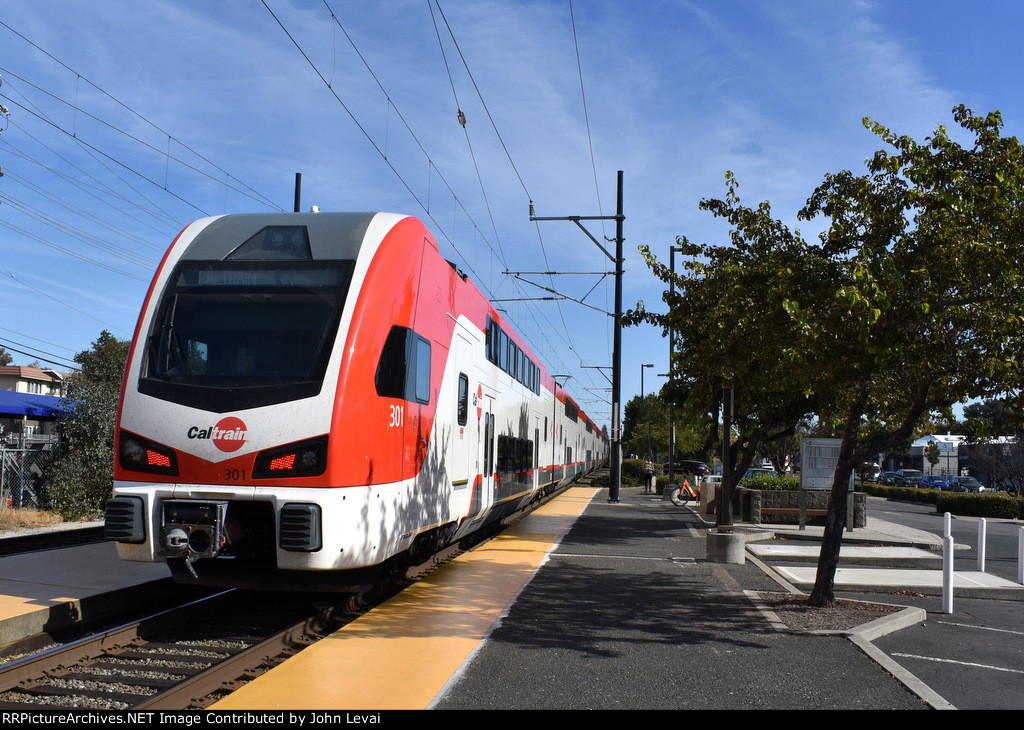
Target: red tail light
<point>135,453</point>
<point>302,459</point>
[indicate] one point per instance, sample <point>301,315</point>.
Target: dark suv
<point>688,466</point>
<point>908,478</point>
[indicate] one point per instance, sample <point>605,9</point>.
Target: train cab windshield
<point>239,334</point>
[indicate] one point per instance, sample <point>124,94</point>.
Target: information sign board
<point>818,460</point>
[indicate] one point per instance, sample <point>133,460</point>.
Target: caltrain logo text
<point>227,435</point>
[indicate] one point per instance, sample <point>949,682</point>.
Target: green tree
<point>727,312</point>
<point>925,309</point>
<point>993,418</point>
<point>932,454</point>
<point>995,441</point>
<point>82,476</point>
<point>5,357</point>
<point>910,302</point>
<point>651,418</point>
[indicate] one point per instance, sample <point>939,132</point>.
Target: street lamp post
<point>644,405</point>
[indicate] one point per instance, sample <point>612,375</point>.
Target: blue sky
<point>127,120</point>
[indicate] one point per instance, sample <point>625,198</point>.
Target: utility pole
<point>298,192</point>
<point>671,351</point>
<point>615,481</point>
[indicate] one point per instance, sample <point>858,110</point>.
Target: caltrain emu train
<point>311,395</point>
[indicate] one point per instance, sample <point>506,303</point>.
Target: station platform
<point>47,591</point>
<point>584,604</point>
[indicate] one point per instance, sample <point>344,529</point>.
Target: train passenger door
<point>483,496</point>
<point>464,434</point>
<point>537,472</point>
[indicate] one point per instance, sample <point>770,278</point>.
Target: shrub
<point>766,482</point>
<point>633,471</point>
<point>986,504</point>
<point>980,505</point>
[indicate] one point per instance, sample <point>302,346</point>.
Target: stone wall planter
<point>758,506</point>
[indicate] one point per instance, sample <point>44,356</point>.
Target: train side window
<point>404,367</point>
<point>422,391</point>
<point>390,378</point>
<point>512,360</point>
<point>463,399</point>
<point>502,361</point>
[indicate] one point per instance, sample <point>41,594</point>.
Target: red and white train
<point>312,394</point>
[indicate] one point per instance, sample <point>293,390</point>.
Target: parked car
<point>888,478</point>
<point>965,484</point>
<point>688,466</point>
<point>758,472</point>
<point>908,478</point>
<point>935,481</point>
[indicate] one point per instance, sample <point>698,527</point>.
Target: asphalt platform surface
<point>628,613</point>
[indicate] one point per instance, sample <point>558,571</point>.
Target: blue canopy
<point>27,404</point>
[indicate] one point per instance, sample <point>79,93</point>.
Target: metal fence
<point>22,478</point>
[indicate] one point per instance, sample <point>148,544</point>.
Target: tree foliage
<point>995,441</point>
<point>728,316</point>
<point>911,300</point>
<point>650,415</point>
<point>82,476</point>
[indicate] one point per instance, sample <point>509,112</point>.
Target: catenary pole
<point>615,457</point>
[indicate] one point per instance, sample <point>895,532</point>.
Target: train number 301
<point>397,416</point>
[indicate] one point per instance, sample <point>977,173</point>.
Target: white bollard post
<point>1020,556</point>
<point>981,545</point>
<point>946,525</point>
<point>947,574</point>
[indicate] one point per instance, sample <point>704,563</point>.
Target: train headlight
<point>302,459</point>
<point>138,454</point>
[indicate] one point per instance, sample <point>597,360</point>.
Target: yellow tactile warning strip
<point>399,656</point>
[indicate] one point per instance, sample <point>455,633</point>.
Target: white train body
<point>324,392</point>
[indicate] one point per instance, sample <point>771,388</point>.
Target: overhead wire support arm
<point>601,368</point>
<point>560,295</point>
<point>576,219</point>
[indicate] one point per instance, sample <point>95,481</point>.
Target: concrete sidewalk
<point>881,556</point>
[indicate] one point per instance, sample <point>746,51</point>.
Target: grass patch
<point>11,519</point>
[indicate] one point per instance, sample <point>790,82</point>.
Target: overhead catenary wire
<point>381,152</point>
<point>46,296</point>
<point>80,77</point>
<point>28,351</point>
<point>75,227</point>
<point>483,103</point>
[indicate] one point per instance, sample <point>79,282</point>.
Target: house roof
<point>946,442</point>
<point>24,372</point>
<point>29,404</point>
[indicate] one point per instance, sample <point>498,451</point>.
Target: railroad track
<point>190,656</point>
<point>180,659</point>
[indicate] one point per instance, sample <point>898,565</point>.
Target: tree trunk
<point>823,593</point>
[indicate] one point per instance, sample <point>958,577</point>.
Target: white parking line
<point>963,664</point>
<point>982,628</point>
